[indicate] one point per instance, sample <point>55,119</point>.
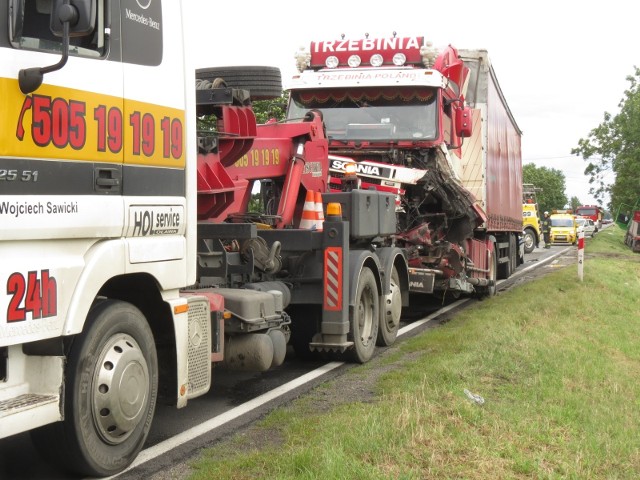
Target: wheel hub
<point>120,389</point>
<point>365,316</point>
<point>393,306</point>
<point>528,240</point>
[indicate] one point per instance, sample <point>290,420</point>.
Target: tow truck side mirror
<point>68,18</point>
<point>81,15</point>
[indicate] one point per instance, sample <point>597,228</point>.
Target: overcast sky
<point>561,64</point>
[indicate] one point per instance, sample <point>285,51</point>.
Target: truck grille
<point>199,346</point>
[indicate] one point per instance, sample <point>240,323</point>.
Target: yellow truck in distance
<point>531,225</point>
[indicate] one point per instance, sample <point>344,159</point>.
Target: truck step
<point>329,347</point>
<point>25,402</point>
<point>28,410</point>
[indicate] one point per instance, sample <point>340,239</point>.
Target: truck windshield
<point>586,211</point>
<point>375,114</point>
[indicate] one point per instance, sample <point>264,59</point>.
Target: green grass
<point>556,360</point>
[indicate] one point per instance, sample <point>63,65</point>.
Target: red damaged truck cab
<point>432,127</point>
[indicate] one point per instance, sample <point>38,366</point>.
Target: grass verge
<point>555,360</point>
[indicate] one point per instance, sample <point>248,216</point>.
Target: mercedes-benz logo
<point>195,334</point>
<point>143,4</point>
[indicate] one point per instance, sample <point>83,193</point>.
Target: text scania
<point>148,222</point>
<point>363,168</point>
<point>368,44</point>
<point>19,209</point>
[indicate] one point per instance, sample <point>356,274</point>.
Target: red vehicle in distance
<point>594,212</point>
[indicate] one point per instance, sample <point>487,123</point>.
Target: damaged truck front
<point>432,127</point>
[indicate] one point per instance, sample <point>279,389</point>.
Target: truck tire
<point>263,83</point>
<point>505,269</point>
<point>110,394</point>
<point>493,275</point>
<point>364,318</point>
<point>390,312</point>
<point>490,291</point>
<point>513,254</point>
<point>529,240</point>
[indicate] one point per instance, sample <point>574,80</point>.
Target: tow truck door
<point>154,170</point>
<point>61,152</point>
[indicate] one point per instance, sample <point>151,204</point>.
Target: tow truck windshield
<point>561,222</point>
<point>371,114</point>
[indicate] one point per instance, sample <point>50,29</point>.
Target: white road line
<point>418,323</point>
<point>538,264</point>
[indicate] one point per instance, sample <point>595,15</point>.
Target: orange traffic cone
<point>319,212</point>
<point>309,215</point>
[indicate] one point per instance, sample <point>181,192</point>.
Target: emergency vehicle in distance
<point>594,212</point>
<point>130,262</point>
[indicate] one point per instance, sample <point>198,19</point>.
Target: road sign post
<point>580,255</point>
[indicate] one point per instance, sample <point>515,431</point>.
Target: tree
<point>263,109</point>
<point>268,109</point>
<point>552,183</point>
<point>575,203</point>
<point>614,146</point>
<point>255,203</point>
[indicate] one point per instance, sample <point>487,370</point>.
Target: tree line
<point>614,146</point>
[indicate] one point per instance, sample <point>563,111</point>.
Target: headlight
<point>376,60</point>
<point>399,59</point>
<point>332,61</point>
<point>354,61</point>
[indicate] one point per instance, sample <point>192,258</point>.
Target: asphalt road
<point>234,400</point>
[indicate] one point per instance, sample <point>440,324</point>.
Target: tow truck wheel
<point>110,393</point>
<point>364,318</point>
<point>390,312</point>
<point>529,241</point>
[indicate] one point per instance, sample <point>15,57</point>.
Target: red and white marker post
<point>580,255</point>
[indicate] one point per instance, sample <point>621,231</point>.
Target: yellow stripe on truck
<point>64,123</point>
